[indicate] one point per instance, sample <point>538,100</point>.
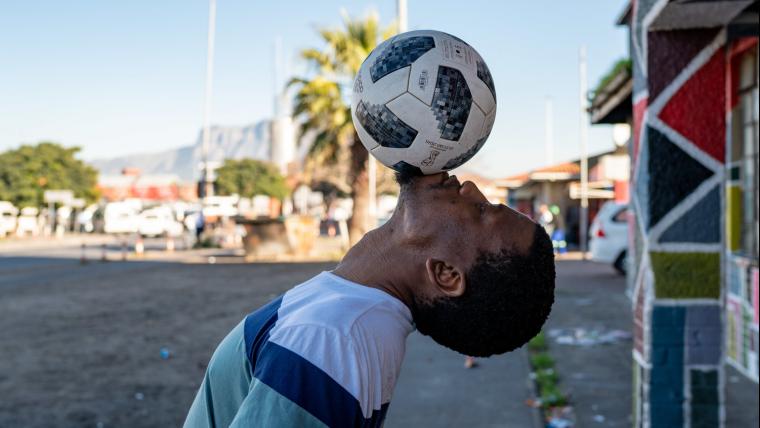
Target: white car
<point>159,221</point>
<point>609,235</point>
<point>220,206</point>
<point>120,217</point>
<point>28,223</point>
<point>8,215</point>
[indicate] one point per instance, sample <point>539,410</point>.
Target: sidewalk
<point>590,298</point>
<point>435,390</point>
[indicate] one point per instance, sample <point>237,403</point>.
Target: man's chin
<point>406,179</point>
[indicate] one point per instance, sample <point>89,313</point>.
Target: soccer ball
<point>423,102</point>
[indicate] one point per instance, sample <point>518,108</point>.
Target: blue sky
<point>127,77</point>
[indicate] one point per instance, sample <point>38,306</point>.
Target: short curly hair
<point>507,299</point>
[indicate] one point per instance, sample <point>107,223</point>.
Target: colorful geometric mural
<point>694,281</point>
<point>678,154</point>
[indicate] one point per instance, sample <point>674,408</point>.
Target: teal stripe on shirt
<point>225,385</point>
<point>265,407</point>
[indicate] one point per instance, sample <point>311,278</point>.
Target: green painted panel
<point>733,218</point>
<point>686,275</point>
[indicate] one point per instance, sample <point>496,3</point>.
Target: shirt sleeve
<point>310,375</point>
<point>265,407</point>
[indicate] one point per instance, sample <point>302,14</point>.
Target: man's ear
<point>447,278</point>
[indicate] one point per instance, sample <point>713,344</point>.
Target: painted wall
<point>678,156</point>
<point>741,272</point>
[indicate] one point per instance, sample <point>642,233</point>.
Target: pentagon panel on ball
<point>423,102</point>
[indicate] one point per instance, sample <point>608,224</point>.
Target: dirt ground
<point>81,346</point>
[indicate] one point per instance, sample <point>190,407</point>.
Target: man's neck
<point>378,261</point>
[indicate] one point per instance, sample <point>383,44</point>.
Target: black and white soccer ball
<point>423,102</point>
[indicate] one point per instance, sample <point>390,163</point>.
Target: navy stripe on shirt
<point>312,389</point>
<point>256,329</point>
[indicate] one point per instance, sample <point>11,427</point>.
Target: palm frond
<point>320,101</point>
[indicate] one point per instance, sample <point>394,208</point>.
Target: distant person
<point>478,278</point>
<point>558,235</point>
<point>572,221</point>
<point>546,219</point>
<point>200,226</point>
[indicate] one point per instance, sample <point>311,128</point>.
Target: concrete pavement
<point>591,297</point>
<point>435,390</point>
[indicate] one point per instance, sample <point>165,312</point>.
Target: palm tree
<point>321,102</point>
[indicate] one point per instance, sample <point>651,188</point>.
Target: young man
<point>478,278</point>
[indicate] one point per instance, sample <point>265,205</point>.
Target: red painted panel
<point>697,110</point>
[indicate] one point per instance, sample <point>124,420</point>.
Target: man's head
<point>488,270</point>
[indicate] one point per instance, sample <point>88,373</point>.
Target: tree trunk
<point>359,223</point>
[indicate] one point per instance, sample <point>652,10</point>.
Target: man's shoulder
<point>324,303</point>
<point>336,336</point>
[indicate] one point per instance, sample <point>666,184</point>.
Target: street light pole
<point>549,132</point>
<point>401,15</point>
<point>584,120</point>
<point>207,187</point>
<point>372,162</point>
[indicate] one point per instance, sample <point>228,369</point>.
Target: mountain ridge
<point>226,142</point>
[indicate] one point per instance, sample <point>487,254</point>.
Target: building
<point>153,187</point>
<point>694,224</point>
<point>560,185</point>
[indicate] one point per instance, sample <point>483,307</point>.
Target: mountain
<point>226,142</point>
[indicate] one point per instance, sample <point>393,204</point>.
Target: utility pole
<point>277,71</point>
<point>401,15</point>
<point>584,120</point>
<point>207,187</point>
<point>549,131</point>
<point>372,162</point>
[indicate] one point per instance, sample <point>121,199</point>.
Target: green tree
<point>25,174</point>
<point>321,102</point>
<point>249,177</point>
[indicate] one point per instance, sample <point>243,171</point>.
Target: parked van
<point>159,221</point>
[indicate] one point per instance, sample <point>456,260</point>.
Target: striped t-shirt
<point>327,353</point>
